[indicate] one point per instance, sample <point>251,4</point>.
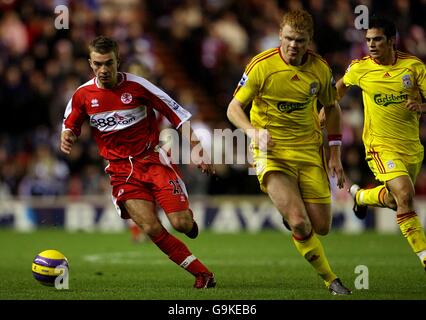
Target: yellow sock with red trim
<point>312,250</point>
<point>372,197</point>
<point>412,230</point>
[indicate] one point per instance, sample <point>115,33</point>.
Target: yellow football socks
<point>412,230</point>
<point>372,197</point>
<point>311,249</point>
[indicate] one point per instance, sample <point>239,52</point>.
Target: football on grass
<point>48,265</point>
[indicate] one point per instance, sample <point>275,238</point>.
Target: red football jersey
<point>122,119</point>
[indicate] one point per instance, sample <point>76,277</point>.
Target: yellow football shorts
<point>306,166</point>
<point>387,165</point>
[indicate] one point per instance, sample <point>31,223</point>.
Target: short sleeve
<point>350,78</point>
<point>327,95</point>
<point>249,85</point>
<point>421,79</point>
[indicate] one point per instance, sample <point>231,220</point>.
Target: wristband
<point>333,137</point>
<point>335,140</point>
<point>335,143</point>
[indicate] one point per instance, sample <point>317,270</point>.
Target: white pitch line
<point>153,259</point>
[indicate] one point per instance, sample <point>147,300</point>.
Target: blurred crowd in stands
<point>195,50</point>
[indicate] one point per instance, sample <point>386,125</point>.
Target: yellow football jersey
<point>284,97</point>
<point>385,89</point>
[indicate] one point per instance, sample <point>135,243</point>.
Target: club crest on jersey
<point>94,103</point>
<point>313,88</point>
<point>390,164</point>
<point>406,81</point>
<point>126,98</point>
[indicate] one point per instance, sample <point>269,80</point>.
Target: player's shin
<point>412,230</point>
<point>178,252</point>
<point>312,250</point>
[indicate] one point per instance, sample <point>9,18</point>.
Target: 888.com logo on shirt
<point>117,120</point>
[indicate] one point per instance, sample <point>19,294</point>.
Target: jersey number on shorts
<point>176,186</point>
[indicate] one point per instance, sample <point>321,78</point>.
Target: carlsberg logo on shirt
<point>288,107</point>
<point>387,99</point>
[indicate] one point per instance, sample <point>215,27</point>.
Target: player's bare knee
<point>182,223</point>
<point>322,230</point>
<point>300,227</point>
<point>404,198</point>
<point>391,203</point>
<point>152,229</point>
<point>321,226</point>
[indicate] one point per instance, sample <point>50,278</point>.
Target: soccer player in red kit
<point>120,108</point>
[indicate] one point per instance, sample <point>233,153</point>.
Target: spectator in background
<point>13,34</point>
<point>30,44</point>
<point>47,174</point>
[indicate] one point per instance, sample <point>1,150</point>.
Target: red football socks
<point>178,252</point>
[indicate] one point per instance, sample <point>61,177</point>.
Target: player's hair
<point>299,20</point>
<point>103,45</point>
<point>378,22</point>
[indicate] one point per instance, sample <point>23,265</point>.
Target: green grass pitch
<point>261,266</point>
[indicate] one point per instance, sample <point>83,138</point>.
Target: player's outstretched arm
<point>333,116</point>
<point>238,118</point>
<point>68,139</point>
